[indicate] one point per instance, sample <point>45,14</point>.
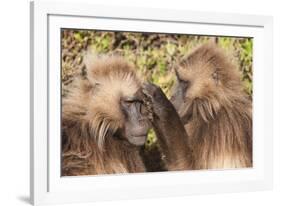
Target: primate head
<point>109,101</point>
<point>207,81</point>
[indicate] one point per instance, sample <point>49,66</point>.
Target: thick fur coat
<point>91,115</point>
<point>217,113</point>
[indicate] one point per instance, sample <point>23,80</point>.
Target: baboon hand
<point>155,100</point>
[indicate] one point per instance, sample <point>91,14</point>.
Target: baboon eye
<point>215,76</point>
<point>127,103</point>
<point>130,101</point>
<point>184,83</point>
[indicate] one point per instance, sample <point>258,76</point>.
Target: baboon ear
<point>89,57</point>
<point>91,61</point>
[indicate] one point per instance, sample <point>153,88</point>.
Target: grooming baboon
<point>103,120</point>
<point>215,110</point>
<point>169,129</point>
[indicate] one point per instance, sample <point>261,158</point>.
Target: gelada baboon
<point>215,110</point>
<point>103,121</point>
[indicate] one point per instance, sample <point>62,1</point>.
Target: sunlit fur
<point>91,115</point>
<point>219,111</point>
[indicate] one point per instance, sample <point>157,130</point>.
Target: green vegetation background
<point>153,54</point>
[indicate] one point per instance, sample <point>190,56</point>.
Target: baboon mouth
<point>138,140</point>
<point>139,136</point>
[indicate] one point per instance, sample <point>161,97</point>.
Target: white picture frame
<point>47,186</point>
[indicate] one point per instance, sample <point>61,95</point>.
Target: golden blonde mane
<point>91,114</point>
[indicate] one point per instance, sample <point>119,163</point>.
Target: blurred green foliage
<point>242,50</point>
<point>153,54</point>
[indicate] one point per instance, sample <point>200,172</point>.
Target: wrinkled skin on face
<point>179,93</point>
<point>136,124</point>
<point>179,98</point>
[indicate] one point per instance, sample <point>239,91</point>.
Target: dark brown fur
<point>217,113</point>
<point>170,131</point>
<point>90,117</point>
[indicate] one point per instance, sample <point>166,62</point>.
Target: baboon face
<point>136,123</point>
<point>206,79</point>
<point>116,108</point>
